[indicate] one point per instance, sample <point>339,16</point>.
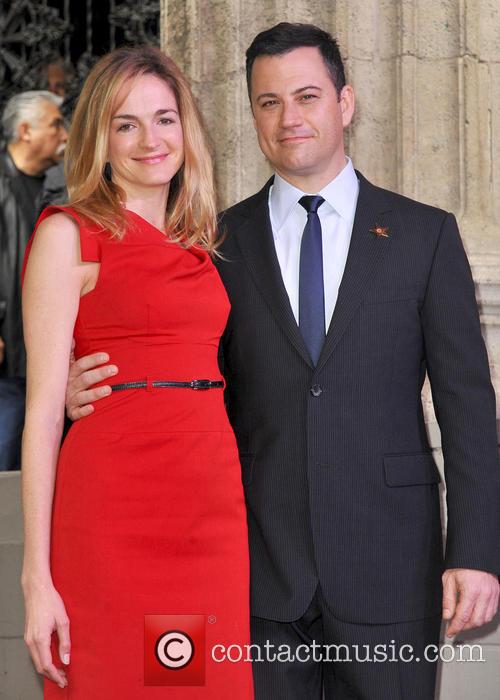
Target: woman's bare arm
<point>55,277</point>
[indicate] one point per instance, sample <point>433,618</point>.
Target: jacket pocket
<point>247,460</point>
<point>390,293</point>
<point>410,469</point>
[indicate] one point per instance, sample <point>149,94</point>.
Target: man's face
<point>299,117</point>
<point>47,136</point>
<point>56,79</point>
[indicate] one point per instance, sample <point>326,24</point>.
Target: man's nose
<point>290,115</point>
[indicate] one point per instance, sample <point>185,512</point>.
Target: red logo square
<point>174,650</point>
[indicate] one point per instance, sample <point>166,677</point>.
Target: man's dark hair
<point>285,37</point>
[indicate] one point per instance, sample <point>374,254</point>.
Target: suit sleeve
<point>464,400</point>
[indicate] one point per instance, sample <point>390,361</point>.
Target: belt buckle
<point>200,384</point>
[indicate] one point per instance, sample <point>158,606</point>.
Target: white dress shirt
<point>336,214</point>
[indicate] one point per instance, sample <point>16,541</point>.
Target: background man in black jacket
<point>343,297</point>
<point>33,128</point>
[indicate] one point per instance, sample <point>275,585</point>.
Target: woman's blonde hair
<point>191,215</point>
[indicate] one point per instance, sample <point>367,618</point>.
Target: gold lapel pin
<point>380,231</point>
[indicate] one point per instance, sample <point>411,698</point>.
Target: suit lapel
<point>366,252</point>
<point>255,240</point>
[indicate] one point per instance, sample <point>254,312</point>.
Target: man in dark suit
<point>343,297</point>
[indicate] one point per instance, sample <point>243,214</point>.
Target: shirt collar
<point>341,194</point>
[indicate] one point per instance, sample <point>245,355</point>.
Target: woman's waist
<point>152,365</point>
<point>158,409</point>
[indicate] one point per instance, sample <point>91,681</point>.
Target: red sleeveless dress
<point>149,515</point>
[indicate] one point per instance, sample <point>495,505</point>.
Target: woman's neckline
<point>139,216</point>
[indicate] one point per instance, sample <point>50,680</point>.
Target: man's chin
<point>297,167</point>
<point>59,154</point>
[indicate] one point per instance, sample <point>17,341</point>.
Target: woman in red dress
<point>141,513</point>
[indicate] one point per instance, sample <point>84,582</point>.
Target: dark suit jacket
<point>340,484</point>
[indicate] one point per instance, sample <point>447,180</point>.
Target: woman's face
<point>146,145</point>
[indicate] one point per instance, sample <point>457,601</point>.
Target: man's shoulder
<point>415,215</point>
<point>5,174</point>
<point>235,218</point>
<point>406,206</point>
<point>243,209</point>
<point>7,167</point>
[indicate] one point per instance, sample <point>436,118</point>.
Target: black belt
<point>196,384</point>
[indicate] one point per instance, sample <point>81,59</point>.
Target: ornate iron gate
<point>33,33</point>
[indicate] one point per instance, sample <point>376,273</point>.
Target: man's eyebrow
<point>158,113</point>
<point>307,87</point>
<point>267,94</point>
<point>295,92</point>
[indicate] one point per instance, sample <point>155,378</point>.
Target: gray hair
<point>25,107</point>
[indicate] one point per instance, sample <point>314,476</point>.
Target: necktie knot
<point>311,203</point>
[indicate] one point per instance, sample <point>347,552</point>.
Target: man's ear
<point>347,104</point>
<point>24,131</point>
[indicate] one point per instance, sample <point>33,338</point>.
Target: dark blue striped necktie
<point>311,288</point>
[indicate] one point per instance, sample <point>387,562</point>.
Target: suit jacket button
<point>316,390</point>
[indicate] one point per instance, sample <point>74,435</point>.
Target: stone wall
<point>18,679</point>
